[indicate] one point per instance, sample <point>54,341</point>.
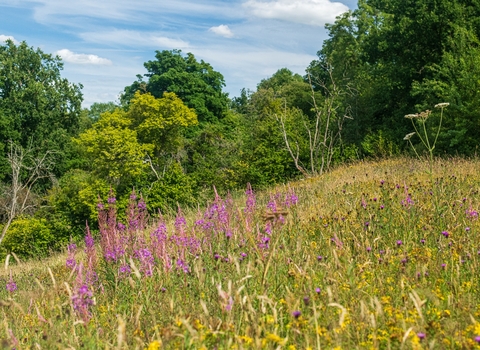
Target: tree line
<point>175,133</point>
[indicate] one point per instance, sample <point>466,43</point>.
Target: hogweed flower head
<point>442,105</point>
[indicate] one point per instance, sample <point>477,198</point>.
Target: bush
<point>29,237</point>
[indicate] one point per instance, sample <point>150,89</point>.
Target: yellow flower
<point>154,345</point>
<point>274,338</point>
<point>245,339</point>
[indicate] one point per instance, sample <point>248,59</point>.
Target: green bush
<point>29,237</point>
<point>174,188</point>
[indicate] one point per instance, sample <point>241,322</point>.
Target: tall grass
<point>372,255</point>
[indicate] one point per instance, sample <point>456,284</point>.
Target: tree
<point>26,171</point>
<point>390,53</point>
<point>123,145</point>
<point>197,84</point>
<point>37,106</point>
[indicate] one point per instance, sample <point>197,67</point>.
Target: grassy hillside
<point>373,255</point>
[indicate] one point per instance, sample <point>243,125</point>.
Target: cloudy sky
<point>104,43</point>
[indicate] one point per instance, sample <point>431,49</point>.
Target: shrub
<point>29,237</point>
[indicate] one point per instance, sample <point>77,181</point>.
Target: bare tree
<point>27,169</point>
<point>324,132</point>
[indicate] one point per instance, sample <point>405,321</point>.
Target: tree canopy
<point>197,84</point>
<point>38,107</point>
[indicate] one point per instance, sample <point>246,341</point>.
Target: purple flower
<point>11,285</point>
<point>421,336</point>
<point>70,263</point>
<point>124,270</point>
<point>142,205</point>
<point>319,258</point>
<point>317,290</point>
<point>82,300</point>
<point>467,228</point>
<point>306,300</point>
<point>111,200</point>
<point>443,266</point>
<point>422,241</point>
<point>477,339</point>
<point>445,234</point>
<point>369,249</point>
<point>89,242</point>
<point>399,243</point>
<point>296,314</point>
<point>382,206</point>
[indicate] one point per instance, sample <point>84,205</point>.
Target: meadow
<point>373,255</point>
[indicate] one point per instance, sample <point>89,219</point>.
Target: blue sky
<point>104,43</point>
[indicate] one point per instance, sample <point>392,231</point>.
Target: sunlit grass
<point>374,255</point>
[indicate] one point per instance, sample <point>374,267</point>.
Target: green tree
<point>389,53</point>
<point>197,84</point>
<point>38,107</point>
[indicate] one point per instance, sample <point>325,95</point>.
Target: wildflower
<point>317,290</point>
<point>142,205</point>
<point>409,136</point>
<point>111,200</point>
<point>124,270</point>
<point>154,345</point>
<point>82,300</point>
<point>306,300</point>
<point>399,243</point>
<point>421,336</point>
<point>369,249</point>
<point>443,266</point>
<point>467,228</point>
<point>445,234</point>
<point>11,285</point>
<point>477,339</point>
<point>471,213</point>
<point>442,105</point>
<point>296,314</point>
<point>411,116</point>
<point>422,241</point>
<point>71,263</point>
<point>319,258</point>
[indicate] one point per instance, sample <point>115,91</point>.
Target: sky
<point>104,43</point>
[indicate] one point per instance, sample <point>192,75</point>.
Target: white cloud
<point>133,38</point>
<point>311,12</point>
<point>4,38</point>
<point>222,30</point>
<point>81,58</point>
